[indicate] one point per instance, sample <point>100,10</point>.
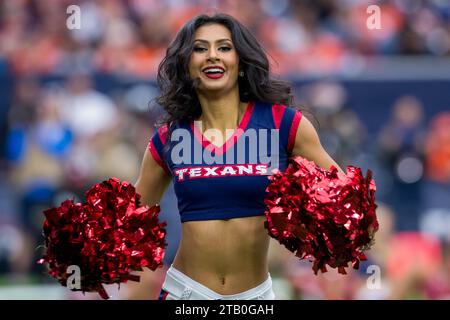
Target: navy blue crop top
<point>226,182</point>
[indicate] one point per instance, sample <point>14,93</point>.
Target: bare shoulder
<point>307,145</point>
<point>150,166</point>
<point>306,137</point>
<point>153,180</point>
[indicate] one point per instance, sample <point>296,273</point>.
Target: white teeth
<point>213,70</point>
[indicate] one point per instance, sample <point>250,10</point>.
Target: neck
<point>221,113</point>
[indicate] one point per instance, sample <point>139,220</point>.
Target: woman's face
<point>214,59</point>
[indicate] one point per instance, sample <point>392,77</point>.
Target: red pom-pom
<point>107,237</point>
<point>323,215</point>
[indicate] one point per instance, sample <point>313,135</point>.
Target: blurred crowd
<point>61,133</point>
<point>129,37</point>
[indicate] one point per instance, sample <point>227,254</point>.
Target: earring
<point>241,73</point>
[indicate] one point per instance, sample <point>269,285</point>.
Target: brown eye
<point>225,49</point>
<point>199,49</point>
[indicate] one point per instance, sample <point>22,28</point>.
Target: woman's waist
<point>238,225</point>
<point>226,258</point>
<point>229,278</point>
<point>224,254</point>
<point>224,240</point>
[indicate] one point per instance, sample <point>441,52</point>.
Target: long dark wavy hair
<point>178,96</point>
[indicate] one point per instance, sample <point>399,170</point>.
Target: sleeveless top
<point>217,183</point>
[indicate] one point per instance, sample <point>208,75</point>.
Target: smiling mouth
<point>214,72</point>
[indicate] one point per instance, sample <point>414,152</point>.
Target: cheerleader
<point>229,124</point>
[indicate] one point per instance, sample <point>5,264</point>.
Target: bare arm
<point>152,181</point>
<point>151,185</point>
<point>307,145</point>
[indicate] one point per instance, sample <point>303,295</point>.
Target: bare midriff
<point>227,256</point>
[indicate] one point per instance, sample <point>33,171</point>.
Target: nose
<point>213,55</point>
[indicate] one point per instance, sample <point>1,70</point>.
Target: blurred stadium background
<point>75,109</point>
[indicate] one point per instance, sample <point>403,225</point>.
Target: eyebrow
<point>206,41</point>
